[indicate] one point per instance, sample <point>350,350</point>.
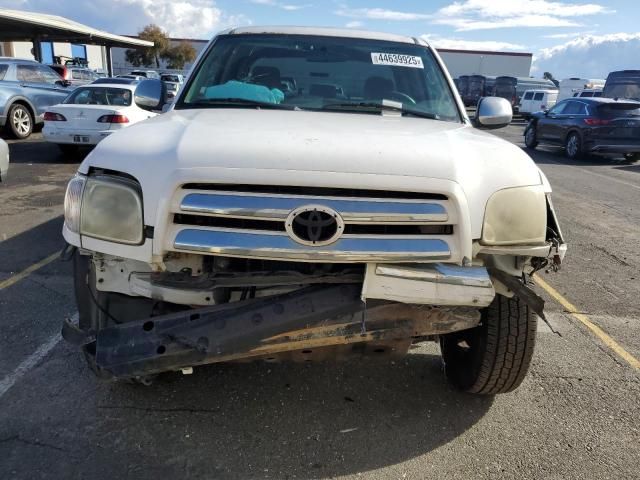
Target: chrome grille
<point>251,224</point>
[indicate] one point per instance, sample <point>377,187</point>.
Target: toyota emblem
<point>314,225</point>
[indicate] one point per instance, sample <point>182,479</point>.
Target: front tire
<point>19,121</point>
<point>573,146</point>
<point>531,137</point>
<point>632,157</point>
<point>495,356</point>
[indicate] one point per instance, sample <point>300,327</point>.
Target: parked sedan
<point>588,125</point>
<point>27,89</point>
<point>91,113</point>
<point>4,160</point>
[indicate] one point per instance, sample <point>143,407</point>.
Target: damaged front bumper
<point>309,318</point>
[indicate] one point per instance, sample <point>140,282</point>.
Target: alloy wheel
<point>21,121</point>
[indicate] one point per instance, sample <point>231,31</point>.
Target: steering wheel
<point>402,97</point>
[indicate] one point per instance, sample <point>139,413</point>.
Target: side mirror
<point>493,112</point>
<point>63,83</point>
<point>150,94</point>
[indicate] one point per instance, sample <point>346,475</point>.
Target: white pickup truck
<point>310,194</point>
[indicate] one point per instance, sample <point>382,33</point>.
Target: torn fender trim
<point>524,293</point>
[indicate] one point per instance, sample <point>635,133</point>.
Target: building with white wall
<point>42,37</point>
<point>93,54</point>
<point>475,62</point>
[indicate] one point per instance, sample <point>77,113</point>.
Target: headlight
<point>515,216</point>
<point>112,210</point>
<point>108,208</point>
<point>72,201</point>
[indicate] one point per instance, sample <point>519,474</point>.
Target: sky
<point>567,38</point>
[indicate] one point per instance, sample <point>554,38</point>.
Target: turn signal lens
<point>113,119</point>
<point>53,117</point>
<point>72,202</point>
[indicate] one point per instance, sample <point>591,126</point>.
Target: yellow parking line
<point>582,318</point>
<point>29,270</point>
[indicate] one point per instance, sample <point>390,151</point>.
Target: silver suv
<point>27,88</point>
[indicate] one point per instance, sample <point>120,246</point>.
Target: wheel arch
<point>19,99</point>
<point>571,130</point>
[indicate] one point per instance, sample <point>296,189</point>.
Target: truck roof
<point>323,32</point>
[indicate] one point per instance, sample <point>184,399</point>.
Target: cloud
<point>354,24</point>
<point>590,56</point>
<point>284,6</point>
<point>484,15</point>
<point>459,44</point>
<point>181,18</point>
<point>566,35</point>
<point>380,14</point>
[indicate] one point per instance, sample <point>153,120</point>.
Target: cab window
<point>528,95</point>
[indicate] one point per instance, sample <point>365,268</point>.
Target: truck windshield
<point>321,74</point>
<point>623,89</point>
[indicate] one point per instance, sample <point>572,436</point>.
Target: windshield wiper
<point>236,102</point>
<point>358,106</point>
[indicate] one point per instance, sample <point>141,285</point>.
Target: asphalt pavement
<point>575,416</point>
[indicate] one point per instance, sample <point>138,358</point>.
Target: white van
<point>569,86</point>
<point>536,101</point>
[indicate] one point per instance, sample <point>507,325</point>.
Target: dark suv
<point>588,125</point>
<point>27,88</point>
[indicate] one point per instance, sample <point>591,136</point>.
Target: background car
<point>173,83</point>
<point>131,77</point>
<point>75,75</point>
<point>146,73</point>
<point>588,125</point>
<point>569,86</point>
<point>588,93</point>
<point>91,113</point>
<point>537,101</point>
<point>4,160</point>
<point>27,89</point>
<point>116,80</point>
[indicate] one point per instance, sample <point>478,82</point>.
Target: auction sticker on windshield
<point>396,60</point>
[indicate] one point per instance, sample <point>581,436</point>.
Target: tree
<point>145,57</point>
<point>549,76</point>
<point>179,55</point>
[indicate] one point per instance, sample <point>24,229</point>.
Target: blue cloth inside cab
<point>245,91</point>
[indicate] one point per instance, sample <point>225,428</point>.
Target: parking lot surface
<point>575,415</point>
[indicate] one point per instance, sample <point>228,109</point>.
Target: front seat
<point>266,76</point>
<point>378,88</point>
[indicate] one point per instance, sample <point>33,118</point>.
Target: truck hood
<point>282,147</point>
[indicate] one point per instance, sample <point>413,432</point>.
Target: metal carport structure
<point>17,25</point>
